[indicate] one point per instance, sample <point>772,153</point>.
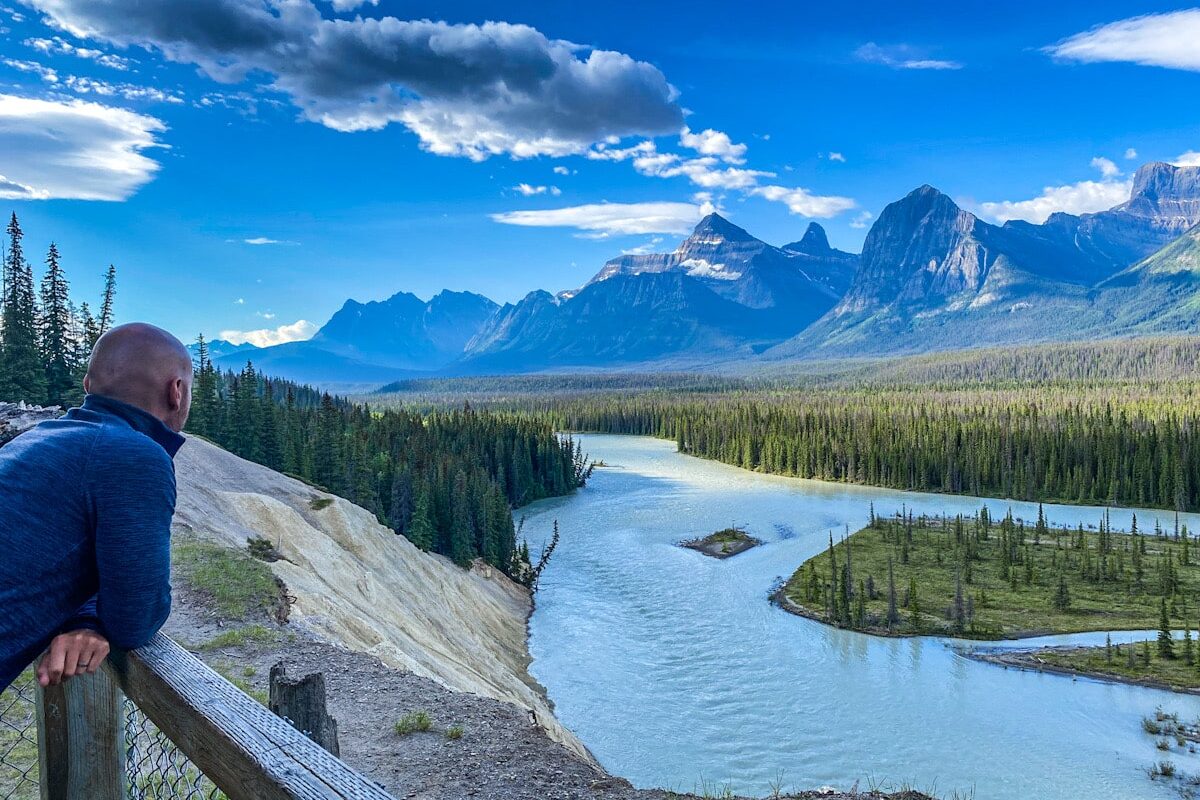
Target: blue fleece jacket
<point>85,523</point>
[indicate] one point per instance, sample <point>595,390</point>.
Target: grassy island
<point>724,543</point>
<point>976,578</point>
<point>1143,663</point>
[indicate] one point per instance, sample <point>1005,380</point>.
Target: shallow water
<point>675,671</point>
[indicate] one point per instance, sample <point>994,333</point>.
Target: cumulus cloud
<point>56,45</point>
<point>297,331</point>
<point>713,143</point>
<point>351,5</point>
<point>529,190</point>
<point>1157,40</point>
<point>464,90</point>
<point>1075,198</point>
<point>601,220</point>
<point>901,56</point>
<point>1107,168</point>
<point>74,149</point>
<point>1189,159</point>
<point>561,170</point>
<point>805,203</point>
<point>1131,153</point>
<point>47,74</point>
<point>835,156</point>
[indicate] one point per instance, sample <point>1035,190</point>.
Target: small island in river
<point>724,543</point>
<point>978,578</point>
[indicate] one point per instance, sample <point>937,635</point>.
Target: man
<point>86,502</point>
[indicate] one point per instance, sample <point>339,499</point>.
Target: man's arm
<point>133,495</point>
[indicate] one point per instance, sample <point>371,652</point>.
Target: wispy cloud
<point>1131,153</point>
<point>1189,159</point>
<point>297,331</point>
<point>74,149</point>
<point>1157,40</point>
<point>901,56</point>
<point>602,220</point>
<point>58,46</point>
<point>862,219</point>
<point>258,241</point>
<point>805,203</point>
<point>1107,167</point>
<point>835,156</point>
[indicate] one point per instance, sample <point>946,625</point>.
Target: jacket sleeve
<point>83,618</point>
<point>133,496</point>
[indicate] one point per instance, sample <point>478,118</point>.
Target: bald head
<point>146,367</point>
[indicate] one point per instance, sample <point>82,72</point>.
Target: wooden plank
<point>247,751</point>
<point>301,701</point>
<point>81,738</point>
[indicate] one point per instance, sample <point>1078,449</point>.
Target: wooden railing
<point>246,751</point>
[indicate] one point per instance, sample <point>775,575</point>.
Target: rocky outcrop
<point>16,418</point>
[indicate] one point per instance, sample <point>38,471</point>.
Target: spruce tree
<point>1166,647</point>
<point>22,374</point>
<point>105,320</point>
<point>59,349</point>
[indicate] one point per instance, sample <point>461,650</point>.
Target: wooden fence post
<point>302,703</point>
<point>81,739</point>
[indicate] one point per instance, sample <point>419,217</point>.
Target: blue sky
<point>379,153</point>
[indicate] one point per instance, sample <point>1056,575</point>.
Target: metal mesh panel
<point>155,769</point>
<point>18,740</point>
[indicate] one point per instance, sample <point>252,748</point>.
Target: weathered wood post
<point>81,736</point>
<point>302,703</point>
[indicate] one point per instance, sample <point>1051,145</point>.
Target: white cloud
<point>129,91</point>
<point>802,202</point>
<point>60,46</point>
<point>528,190</point>
<point>464,90</point>
<point>297,331</point>
<point>265,314</point>
<point>262,240</point>
<point>1189,159</point>
<point>861,219</point>
<point>1107,168</point>
<point>901,56</point>
<point>241,301</point>
<point>561,170</point>
<point>642,249</point>
<point>1076,198</point>
<point>714,143</point>
<point>601,220</point>
<point>47,74</point>
<point>351,5</point>
<point>835,156</point>
<point>1131,153</point>
<point>74,149</point>
<point>1157,40</point>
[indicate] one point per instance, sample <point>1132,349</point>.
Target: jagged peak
<point>715,224</point>
<point>814,242</point>
<point>1159,180</point>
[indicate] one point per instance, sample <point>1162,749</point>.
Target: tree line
<point>447,480</point>
<point>1117,446</point>
<point>45,339</point>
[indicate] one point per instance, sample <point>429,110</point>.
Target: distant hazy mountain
<point>721,293</point>
<point>1158,294</point>
<point>379,341</point>
<point>218,348</point>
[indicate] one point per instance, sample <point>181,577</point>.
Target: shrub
<point>454,732</point>
<point>416,722</point>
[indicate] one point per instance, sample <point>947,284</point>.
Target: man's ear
<point>175,394</point>
<point>87,384</point>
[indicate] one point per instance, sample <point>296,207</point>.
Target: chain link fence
<point>155,769</point>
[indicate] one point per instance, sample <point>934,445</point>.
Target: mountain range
<point>931,276</point>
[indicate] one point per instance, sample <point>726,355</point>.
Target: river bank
<point>1086,662</point>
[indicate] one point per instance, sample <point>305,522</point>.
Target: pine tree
<point>422,531</point>
<point>1062,595</point>
<point>893,614</point>
<point>22,374</point>
<point>59,348</point>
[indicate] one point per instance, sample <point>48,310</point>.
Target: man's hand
<point>72,653</point>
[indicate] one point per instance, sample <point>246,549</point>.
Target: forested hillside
<point>1114,445</point>
<point>447,480</point>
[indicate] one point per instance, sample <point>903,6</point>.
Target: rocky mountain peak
<point>814,242</point>
<point>716,227</point>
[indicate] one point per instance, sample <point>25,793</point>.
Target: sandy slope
<point>359,585</point>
